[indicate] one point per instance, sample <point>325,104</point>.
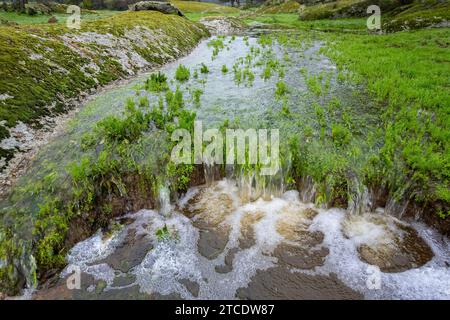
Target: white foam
<point>177,258</point>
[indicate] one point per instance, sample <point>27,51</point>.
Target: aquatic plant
<point>204,68</point>
<point>157,82</point>
<point>224,69</point>
<point>182,73</point>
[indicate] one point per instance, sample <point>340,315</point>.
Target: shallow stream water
<point>216,242</point>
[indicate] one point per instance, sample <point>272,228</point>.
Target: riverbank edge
<point>52,70</point>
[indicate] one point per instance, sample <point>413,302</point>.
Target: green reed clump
<point>281,89</point>
<point>157,82</point>
<point>182,73</point>
<point>224,69</point>
<point>204,68</point>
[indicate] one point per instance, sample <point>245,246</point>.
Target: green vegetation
<point>292,21</point>
<point>157,82</point>
<point>40,73</point>
<point>23,18</point>
<point>406,74</point>
<point>270,7</point>
<point>224,69</point>
<point>204,68</point>
<point>182,73</point>
<point>389,130</point>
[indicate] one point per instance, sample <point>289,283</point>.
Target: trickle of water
<point>164,205</point>
<point>359,201</point>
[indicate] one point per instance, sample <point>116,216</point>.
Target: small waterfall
<point>359,200</point>
<point>396,208</point>
<point>252,185</point>
<point>164,205</point>
<point>307,189</point>
<point>209,171</point>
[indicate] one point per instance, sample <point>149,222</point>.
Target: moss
<point>38,69</point>
<point>418,15</point>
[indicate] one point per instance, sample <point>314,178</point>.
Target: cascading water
<point>248,236</point>
<point>164,201</point>
<point>219,246</point>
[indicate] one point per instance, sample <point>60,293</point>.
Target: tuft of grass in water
<point>157,82</point>
<point>281,89</point>
<point>217,45</point>
<point>164,234</point>
<point>204,68</point>
<point>314,84</point>
<point>196,95</point>
<point>224,69</point>
<point>182,73</point>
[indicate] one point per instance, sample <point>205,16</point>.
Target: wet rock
<point>298,257</point>
<point>212,242</point>
<point>130,253</point>
<point>407,253</point>
<point>124,280</point>
<point>192,286</point>
<point>386,242</point>
<point>279,283</point>
<point>247,236</point>
<point>228,266</point>
<point>208,210</point>
<point>294,224</point>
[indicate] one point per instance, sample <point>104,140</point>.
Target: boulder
<point>223,25</point>
<point>161,6</point>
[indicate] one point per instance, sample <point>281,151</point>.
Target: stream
<point>229,238</point>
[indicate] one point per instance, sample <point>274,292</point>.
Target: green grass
<point>289,6</point>
<point>407,74</point>
<point>325,10</point>
<point>23,18</point>
<point>203,7</point>
<point>418,15</point>
<point>182,73</point>
<point>292,21</point>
